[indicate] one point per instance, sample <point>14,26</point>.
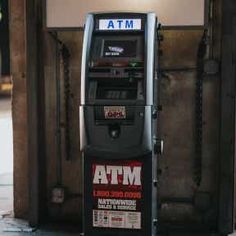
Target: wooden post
<point>35,97</point>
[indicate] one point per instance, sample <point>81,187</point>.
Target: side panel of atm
<point>88,31</point>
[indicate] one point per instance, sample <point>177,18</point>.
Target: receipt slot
<point>118,124</point>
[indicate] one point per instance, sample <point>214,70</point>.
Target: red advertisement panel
<point>117,194</point>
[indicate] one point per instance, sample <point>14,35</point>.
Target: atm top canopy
<point>61,14</point>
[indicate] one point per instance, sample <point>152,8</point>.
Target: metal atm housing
<point>118,116</point>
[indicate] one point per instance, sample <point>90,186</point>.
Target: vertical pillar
<point>227,125</point>
<point>27,108</point>
<point>35,95</point>
<point>19,106</point>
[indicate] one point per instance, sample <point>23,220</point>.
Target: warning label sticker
<point>116,219</point>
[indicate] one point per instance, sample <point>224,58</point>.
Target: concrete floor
<point>12,227</point>
<point>16,225</point>
<point>8,225</point>
<point>6,144</point>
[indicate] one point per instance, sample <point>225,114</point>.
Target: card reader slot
<point>126,73</point>
<point>109,69</point>
<point>123,75</point>
<point>98,75</point>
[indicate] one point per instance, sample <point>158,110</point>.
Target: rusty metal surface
<point>180,48</point>
<point>178,130</point>
<point>71,170</point>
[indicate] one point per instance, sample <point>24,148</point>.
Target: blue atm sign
<point>120,24</point>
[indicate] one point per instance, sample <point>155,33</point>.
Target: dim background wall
<point>177,122</point>
<point>177,119</point>
<point>71,170</point>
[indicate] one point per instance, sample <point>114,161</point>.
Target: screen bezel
<point>140,57</point>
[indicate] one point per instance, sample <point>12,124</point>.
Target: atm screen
<point>120,48</point>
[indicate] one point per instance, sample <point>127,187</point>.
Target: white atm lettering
<point>100,176</point>
<point>114,171</point>
<point>130,177</point>
<point>110,175</point>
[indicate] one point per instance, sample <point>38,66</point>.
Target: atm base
<point>112,200</point>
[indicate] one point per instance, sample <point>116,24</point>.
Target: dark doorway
<point>4,38</point>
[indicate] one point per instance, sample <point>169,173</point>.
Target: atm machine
<point>118,124</point>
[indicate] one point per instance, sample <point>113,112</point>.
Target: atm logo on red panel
<point>117,175</point>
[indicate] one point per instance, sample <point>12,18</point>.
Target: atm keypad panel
<point>116,68</point>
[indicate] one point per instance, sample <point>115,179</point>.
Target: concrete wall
<point>177,125</point>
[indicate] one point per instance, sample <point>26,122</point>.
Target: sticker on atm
<point>114,112</point>
<point>116,219</point>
